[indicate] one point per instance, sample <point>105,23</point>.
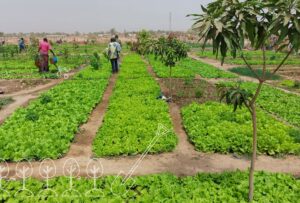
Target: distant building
<point>55,38</point>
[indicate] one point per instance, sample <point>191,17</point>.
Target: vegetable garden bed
<point>25,69</point>
<point>189,68</point>
<point>255,58</point>
<point>46,127</point>
<point>134,114</point>
<point>210,188</point>
<point>278,102</point>
<point>213,127</point>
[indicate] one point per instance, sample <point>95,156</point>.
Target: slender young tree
<point>229,23</point>
<point>169,51</point>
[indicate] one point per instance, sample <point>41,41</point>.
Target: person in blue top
<point>22,45</point>
<point>114,50</point>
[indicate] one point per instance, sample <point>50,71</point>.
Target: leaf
<point>286,20</point>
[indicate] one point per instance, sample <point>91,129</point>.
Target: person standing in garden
<point>22,45</point>
<point>120,47</point>
<point>114,50</point>
<point>44,48</point>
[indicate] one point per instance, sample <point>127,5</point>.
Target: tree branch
<point>282,62</point>
<point>249,66</point>
<point>248,107</point>
<point>256,93</point>
<point>264,63</point>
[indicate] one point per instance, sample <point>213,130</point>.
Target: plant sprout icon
<point>24,171</point>
<point>119,185</point>
<point>71,169</point>
<point>94,170</point>
<point>4,171</point>
<point>47,170</point>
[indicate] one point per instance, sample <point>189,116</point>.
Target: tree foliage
<point>169,50</point>
<point>144,41</point>
<point>228,23</point>
<point>235,95</point>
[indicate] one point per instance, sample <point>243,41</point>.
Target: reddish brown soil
<point>11,86</point>
<point>185,92</point>
<point>293,73</point>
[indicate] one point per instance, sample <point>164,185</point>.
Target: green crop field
<point>189,68</point>
<point>255,58</point>
<point>205,109</point>
<point>135,114</point>
<point>213,127</point>
<point>226,187</point>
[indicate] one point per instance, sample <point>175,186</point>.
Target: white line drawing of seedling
<point>71,169</point>
<point>24,170</point>
<point>161,131</point>
<point>94,170</point>
<point>47,170</point>
<point>4,172</point>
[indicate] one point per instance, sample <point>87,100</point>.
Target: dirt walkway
<point>44,86</point>
<point>183,161</point>
<point>22,98</point>
<point>226,67</point>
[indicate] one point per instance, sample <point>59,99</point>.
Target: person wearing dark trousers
<point>114,65</point>
<point>21,44</point>
<point>113,52</point>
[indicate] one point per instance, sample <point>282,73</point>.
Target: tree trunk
<point>170,83</point>
<point>254,153</point>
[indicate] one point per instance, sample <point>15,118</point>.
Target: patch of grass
<point>288,83</point>
<point>180,94</point>
<point>188,81</point>
<point>198,93</point>
<point>247,72</point>
<point>297,84</point>
<point>5,101</point>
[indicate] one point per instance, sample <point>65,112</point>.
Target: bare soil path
<point>22,98</point>
<point>226,67</point>
<point>184,160</point>
<point>15,85</point>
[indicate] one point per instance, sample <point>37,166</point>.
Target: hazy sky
<point>94,15</point>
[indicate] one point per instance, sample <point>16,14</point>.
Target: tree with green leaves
<point>144,42</point>
<point>229,23</point>
<point>169,51</point>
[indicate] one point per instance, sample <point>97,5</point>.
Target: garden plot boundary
<point>183,161</point>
